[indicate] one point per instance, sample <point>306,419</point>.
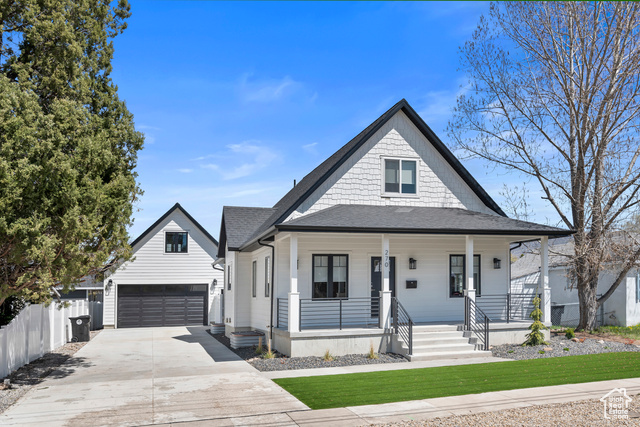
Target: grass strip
<point>337,391</point>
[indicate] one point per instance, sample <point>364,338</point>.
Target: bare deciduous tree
<point>554,95</point>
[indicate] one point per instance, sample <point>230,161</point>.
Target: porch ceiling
<point>418,220</point>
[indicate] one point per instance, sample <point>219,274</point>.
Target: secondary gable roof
<point>165,216</point>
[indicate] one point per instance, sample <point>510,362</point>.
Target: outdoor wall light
<point>213,285</point>
<point>107,288</point>
<point>412,264</point>
<point>496,263</point>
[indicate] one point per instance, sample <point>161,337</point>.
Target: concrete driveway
<point>154,376</point>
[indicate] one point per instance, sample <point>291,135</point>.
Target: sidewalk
<point>425,409</point>
<point>295,373</point>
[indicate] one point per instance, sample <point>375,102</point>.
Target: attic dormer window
<point>176,242</point>
<point>400,176</point>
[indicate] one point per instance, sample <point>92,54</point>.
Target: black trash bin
<point>80,327</point>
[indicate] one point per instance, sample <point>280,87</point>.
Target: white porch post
<point>470,290</point>
<point>545,290</point>
<point>294,295</point>
<point>385,293</point>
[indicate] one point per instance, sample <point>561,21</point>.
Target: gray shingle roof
<point>239,223</point>
<point>407,219</point>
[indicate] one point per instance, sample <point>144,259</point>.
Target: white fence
<point>34,332</point>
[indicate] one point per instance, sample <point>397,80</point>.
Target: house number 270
<point>386,258</point>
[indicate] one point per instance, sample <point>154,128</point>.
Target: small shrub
<point>269,354</point>
<point>372,354</point>
<point>327,356</point>
<point>566,349</point>
<point>536,336</point>
<point>542,352</point>
<point>606,347</point>
<point>259,349</point>
<point>571,333</point>
<point>511,351</point>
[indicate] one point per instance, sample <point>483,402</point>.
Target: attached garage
<point>161,305</point>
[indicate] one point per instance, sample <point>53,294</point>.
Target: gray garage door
<point>161,305</point>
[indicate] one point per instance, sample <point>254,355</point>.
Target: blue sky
<point>239,99</point>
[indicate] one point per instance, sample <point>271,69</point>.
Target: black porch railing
<point>402,323</point>
<point>506,307</point>
<point>476,321</point>
<point>332,313</point>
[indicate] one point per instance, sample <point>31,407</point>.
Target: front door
<point>376,279</point>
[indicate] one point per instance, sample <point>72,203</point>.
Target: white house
<point>622,308</point>
<point>386,237</point>
<point>170,281</point>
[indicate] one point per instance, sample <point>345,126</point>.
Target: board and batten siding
<point>359,179</point>
<point>152,266</point>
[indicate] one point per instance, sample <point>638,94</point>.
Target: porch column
<point>294,295</point>
<point>470,290</point>
<point>385,293</point>
<point>545,290</point>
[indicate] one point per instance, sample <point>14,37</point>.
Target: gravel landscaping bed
<point>283,363</point>
<point>561,346</point>
<point>584,413</point>
<point>23,379</point>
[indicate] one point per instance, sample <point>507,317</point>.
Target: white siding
<point>430,301</point>
<point>152,266</point>
<point>359,179</point>
<point>633,307</point>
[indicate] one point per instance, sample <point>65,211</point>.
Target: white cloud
<point>185,170</point>
<point>311,148</point>
<point>267,90</point>
<point>242,160</point>
<point>439,106</point>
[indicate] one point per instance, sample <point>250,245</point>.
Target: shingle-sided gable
<point>359,179</point>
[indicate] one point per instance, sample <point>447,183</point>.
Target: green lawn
<point>334,391</point>
<point>632,332</point>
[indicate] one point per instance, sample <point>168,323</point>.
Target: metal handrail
<point>402,323</point>
<point>339,313</point>
<point>481,328</point>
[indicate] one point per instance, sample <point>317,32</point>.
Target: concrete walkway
<point>152,376</point>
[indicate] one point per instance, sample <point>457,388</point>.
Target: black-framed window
<point>254,277</point>
<point>267,276</point>
<point>229,277</point>
<point>176,242</point>
<point>400,176</point>
<point>457,275</point>
<point>330,276</point>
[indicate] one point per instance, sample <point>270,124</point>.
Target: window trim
<point>176,232</point>
<point>477,286</point>
<point>385,193</point>
<point>329,275</point>
<point>267,276</point>
<point>254,278</point>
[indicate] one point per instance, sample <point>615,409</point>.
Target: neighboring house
<point>391,227</point>
<point>170,281</point>
<point>621,308</point>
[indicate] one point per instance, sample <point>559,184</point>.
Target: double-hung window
<point>330,276</point>
<point>175,242</point>
<point>400,176</point>
<point>457,274</point>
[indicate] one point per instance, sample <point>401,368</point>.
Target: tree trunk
<point>588,305</point>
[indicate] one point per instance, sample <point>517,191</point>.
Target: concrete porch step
<point>435,328</point>
<point>419,357</point>
<point>419,341</point>
<point>436,335</point>
<point>443,347</point>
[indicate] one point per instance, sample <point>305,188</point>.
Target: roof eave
<point>333,229</point>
